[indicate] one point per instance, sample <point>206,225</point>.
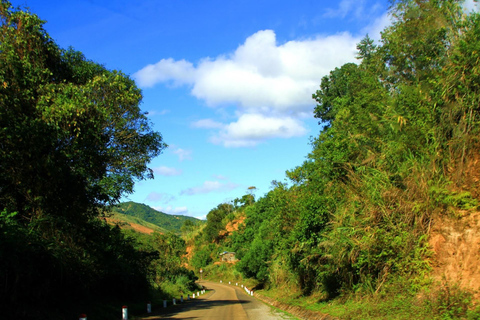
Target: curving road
<point>220,302</point>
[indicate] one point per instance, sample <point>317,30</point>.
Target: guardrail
<point>248,291</point>
<point>174,301</point>
<point>149,305</point>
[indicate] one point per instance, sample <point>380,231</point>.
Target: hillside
<point>134,223</point>
<point>381,220</point>
<point>140,214</point>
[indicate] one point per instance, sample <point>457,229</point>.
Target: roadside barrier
<point>149,306</point>
<point>248,291</point>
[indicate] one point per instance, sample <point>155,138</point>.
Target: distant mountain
<point>141,211</point>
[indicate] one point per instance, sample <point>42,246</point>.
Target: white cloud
<point>251,129</point>
<point>210,186</point>
<point>272,81</point>
<point>183,154</point>
<point>167,171</point>
<point>260,73</point>
<point>179,72</point>
<point>159,197</point>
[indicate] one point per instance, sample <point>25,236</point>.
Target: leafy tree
<point>72,141</point>
<point>203,257</point>
<point>215,221</point>
<point>72,133</point>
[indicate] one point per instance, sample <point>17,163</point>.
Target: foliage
<point>38,273</point>
<point>215,221</point>
<point>166,269</point>
<point>398,129</point>
<point>451,302</point>
<point>73,140</point>
<point>203,257</point>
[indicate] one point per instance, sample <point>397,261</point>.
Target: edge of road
<point>296,311</point>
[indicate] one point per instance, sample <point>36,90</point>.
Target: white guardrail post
<point>124,313</point>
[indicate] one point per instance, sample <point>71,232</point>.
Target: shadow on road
<point>166,313</point>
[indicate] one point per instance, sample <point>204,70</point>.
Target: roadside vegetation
<point>73,140</point>
<point>347,233</point>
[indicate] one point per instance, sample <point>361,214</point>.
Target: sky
<point>228,84</point>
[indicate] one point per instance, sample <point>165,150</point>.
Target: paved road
<point>221,301</point>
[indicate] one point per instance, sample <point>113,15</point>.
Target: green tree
<point>72,134</point>
<point>215,221</point>
<point>72,141</point>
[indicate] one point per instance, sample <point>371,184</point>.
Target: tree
<point>72,141</point>
<point>215,221</point>
<point>72,134</point>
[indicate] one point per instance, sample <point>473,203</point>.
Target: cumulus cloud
<point>159,197</point>
<point>251,129</point>
<point>167,171</point>
<point>208,187</point>
<point>260,73</point>
<point>179,72</point>
<point>262,79</point>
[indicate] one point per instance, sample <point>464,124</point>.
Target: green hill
<point>136,212</point>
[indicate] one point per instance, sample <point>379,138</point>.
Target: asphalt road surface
<point>221,301</point>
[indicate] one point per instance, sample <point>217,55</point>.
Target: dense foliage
<point>399,130</point>
<point>72,141</point>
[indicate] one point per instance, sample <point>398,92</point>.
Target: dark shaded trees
<point>72,141</point>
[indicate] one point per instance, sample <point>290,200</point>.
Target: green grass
<point>384,306</point>
<point>172,223</point>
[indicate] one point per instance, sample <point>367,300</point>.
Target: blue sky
<point>227,83</point>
